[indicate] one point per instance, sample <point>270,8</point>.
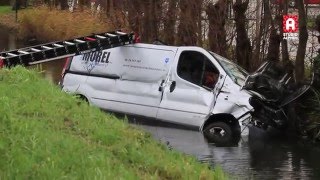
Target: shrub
<point>44,24</point>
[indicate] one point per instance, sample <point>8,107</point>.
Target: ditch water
<point>51,70</point>
<point>249,159</point>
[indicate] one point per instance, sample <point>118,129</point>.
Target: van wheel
<point>218,132</point>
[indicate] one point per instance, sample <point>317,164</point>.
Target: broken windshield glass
<point>237,74</point>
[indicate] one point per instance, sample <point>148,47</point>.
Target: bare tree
<point>303,38</point>
<point>258,35</point>
<point>187,26</point>
<point>284,42</point>
<point>274,39</point>
<point>217,33</point>
<point>197,10</point>
<point>134,15</point>
<point>150,22</point>
<point>243,46</point>
<point>82,3</point>
<point>170,22</point>
<point>63,4</point>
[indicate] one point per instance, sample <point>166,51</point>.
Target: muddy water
<point>249,159</point>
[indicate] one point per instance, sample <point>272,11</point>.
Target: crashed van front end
<point>274,89</point>
<point>258,99</point>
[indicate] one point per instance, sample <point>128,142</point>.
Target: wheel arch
<point>82,97</point>
<point>222,117</point>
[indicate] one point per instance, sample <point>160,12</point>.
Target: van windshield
<point>237,73</point>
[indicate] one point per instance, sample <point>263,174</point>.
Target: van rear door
<point>190,92</point>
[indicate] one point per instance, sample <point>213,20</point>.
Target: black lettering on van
<point>97,57</point>
<point>105,57</point>
<point>107,60</point>
<point>93,56</point>
<point>85,57</point>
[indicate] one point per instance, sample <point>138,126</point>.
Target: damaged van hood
<point>275,84</point>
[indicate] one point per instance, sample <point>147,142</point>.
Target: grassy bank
<point>5,9</point>
<point>47,134</point>
<point>46,24</point>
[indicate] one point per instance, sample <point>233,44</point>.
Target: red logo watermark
<point>290,26</point>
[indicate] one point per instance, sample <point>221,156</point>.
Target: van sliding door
<point>140,71</point>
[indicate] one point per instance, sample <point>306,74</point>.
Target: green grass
<point>48,134</point>
<point>5,9</point>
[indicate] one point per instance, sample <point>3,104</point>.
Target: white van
<point>183,85</point>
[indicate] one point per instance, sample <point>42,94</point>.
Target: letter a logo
<point>290,23</point>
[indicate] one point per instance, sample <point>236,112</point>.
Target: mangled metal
<point>278,89</point>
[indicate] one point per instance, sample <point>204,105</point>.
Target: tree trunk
<point>116,5</point>
<point>274,39</point>
<point>198,20</point>
<point>81,4</point>
<point>63,4</point>
<point>303,38</point>
<point>316,65</point>
<point>134,15</point>
<point>217,32</point>
<point>106,4</point>
<point>284,42</point>
<point>318,25</point>
<point>186,29</point>
<point>243,47</point>
<point>259,29</point>
<point>274,45</point>
<point>150,28</point>
<point>170,22</point>
<point>115,13</point>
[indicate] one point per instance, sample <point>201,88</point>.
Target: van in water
<point>182,85</point>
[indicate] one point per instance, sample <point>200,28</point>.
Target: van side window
<point>197,69</point>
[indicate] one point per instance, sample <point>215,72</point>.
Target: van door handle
<point>161,86</point>
<point>173,86</point>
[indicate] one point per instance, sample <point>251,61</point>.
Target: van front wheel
<point>218,132</point>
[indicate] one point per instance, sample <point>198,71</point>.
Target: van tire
<point>218,132</point>
<point>236,130</point>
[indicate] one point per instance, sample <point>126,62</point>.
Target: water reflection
<point>250,158</point>
<point>285,159</point>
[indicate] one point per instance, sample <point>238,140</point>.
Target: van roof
<point>154,46</point>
